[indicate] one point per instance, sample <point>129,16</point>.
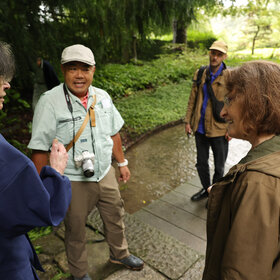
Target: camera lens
<point>88,168</point>
<point>88,173</point>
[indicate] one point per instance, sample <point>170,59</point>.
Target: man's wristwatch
<point>121,164</point>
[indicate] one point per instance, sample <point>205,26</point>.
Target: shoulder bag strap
<point>198,81</point>
<point>217,105</point>
<point>90,114</point>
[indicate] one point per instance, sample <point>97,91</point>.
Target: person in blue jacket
<point>27,200</point>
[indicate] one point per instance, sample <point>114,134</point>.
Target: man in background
<point>208,131</point>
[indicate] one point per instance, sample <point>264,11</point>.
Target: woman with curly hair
<point>244,206</point>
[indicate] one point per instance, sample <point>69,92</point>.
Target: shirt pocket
<point>65,129</point>
<point>103,120</point>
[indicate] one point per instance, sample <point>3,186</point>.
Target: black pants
<point>219,146</point>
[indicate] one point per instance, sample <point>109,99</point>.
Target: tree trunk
<point>174,31</point>
<point>179,32</point>
<point>135,48</point>
<point>254,39</point>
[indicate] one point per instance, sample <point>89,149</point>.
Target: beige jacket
<point>243,219</point>
<point>212,127</point>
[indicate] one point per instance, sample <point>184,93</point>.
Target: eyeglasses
<point>228,100</point>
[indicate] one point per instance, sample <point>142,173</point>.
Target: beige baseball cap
<point>77,53</point>
<point>219,46</point>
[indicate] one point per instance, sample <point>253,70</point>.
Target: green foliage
<point>260,24</point>
<point>122,80</point>
<point>14,105</point>
<point>109,28</point>
<point>236,59</point>
<point>61,275</point>
<point>14,119</point>
<point>200,40</point>
<point>146,110</point>
<point>39,232</point>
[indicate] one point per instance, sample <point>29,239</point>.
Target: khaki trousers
<point>105,195</point>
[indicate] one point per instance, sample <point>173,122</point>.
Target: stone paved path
<point>169,235</point>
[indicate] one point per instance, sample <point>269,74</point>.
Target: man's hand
<point>228,138</point>
<point>124,174</point>
<point>188,129</point>
<point>209,188</point>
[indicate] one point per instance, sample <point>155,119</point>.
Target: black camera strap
<point>68,101</point>
<point>70,108</point>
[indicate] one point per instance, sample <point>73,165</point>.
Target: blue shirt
<point>201,127</point>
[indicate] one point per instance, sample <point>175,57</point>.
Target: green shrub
<point>144,111</point>
<point>14,119</point>
<point>39,232</point>
<point>122,80</point>
<point>200,40</point>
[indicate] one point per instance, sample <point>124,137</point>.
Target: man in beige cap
<point>203,119</point>
<point>86,121</point>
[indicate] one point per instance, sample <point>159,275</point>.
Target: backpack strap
<point>199,75</point>
<point>198,80</point>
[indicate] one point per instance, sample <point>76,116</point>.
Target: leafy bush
<point>39,232</point>
<point>200,40</point>
<point>144,111</point>
<point>14,120</point>
<point>122,80</point>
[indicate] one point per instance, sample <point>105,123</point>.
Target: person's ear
<point>62,68</point>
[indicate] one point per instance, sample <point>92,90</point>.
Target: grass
<point>171,66</point>
<point>146,110</point>
<point>264,53</point>
<point>39,232</point>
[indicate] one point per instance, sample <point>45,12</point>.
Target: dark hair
<point>7,62</point>
<point>257,85</point>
